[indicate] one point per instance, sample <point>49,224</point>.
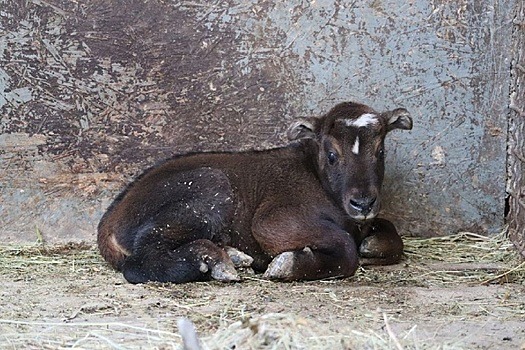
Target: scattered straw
<point>461,258</point>
<point>284,331</point>
<point>20,259</point>
<point>391,333</point>
<point>465,258</point>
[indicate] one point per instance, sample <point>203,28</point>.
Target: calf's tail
<point>112,251</point>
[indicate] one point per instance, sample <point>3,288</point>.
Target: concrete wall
<point>92,92</point>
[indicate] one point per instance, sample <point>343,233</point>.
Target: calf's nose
<point>363,205</point>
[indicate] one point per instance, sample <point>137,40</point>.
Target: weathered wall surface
<point>516,149</point>
<point>92,92</point>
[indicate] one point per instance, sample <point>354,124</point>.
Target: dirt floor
<point>67,297</point>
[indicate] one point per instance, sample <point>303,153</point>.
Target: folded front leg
<point>380,244</point>
<point>305,248</point>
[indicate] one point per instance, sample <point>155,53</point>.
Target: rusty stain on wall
<point>93,92</point>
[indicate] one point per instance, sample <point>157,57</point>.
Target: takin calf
<point>298,212</point>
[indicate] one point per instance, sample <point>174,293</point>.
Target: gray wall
<point>94,92</point>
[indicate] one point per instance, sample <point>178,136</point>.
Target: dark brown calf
<point>294,210</point>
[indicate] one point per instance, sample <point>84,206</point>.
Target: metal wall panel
<point>93,92</point>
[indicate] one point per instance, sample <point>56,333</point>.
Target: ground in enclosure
<point>459,292</point>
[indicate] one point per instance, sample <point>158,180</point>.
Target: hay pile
<point>460,258</point>
<point>464,258</point>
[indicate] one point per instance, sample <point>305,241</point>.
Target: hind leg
<point>174,242</point>
<point>198,260</point>
<point>380,244</point>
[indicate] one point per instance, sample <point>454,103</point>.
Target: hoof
<point>224,272</point>
<point>239,258</point>
<point>370,248</point>
<point>374,252</point>
<point>281,266</point>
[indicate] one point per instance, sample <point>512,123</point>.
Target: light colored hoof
<point>281,266</point>
<point>239,258</point>
<point>224,273</point>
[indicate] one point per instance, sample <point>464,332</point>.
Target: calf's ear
<point>302,129</point>
<point>398,119</point>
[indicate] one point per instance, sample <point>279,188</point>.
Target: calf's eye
<point>332,157</point>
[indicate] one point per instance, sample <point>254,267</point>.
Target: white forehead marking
<point>355,148</point>
<point>363,120</point>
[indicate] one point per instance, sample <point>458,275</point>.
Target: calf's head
<point>349,146</point>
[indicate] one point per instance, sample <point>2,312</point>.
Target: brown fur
<point>289,208</point>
